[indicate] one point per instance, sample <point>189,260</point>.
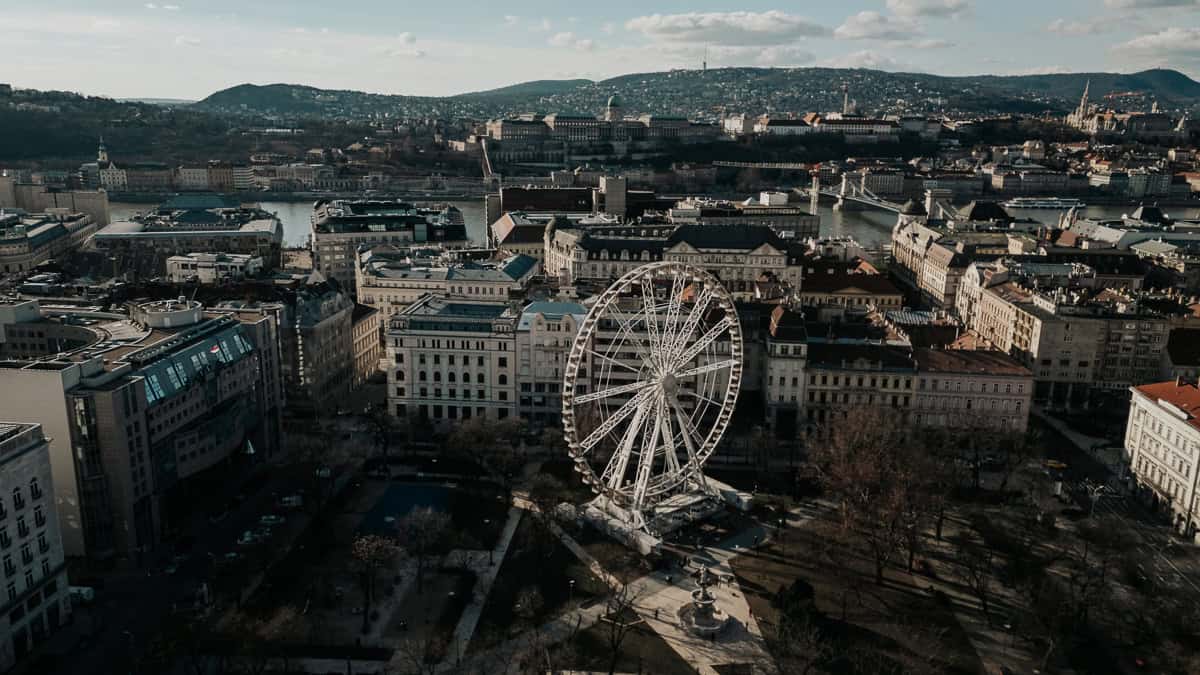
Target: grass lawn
<point>537,572</point>
<point>897,624</point>
<point>429,616</point>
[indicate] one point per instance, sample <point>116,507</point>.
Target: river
<point>871,227</point>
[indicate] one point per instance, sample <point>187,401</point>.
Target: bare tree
<point>370,554</point>
<point>620,619</point>
<point>979,572</point>
<point>421,533</point>
<point>863,467</point>
<point>419,656</point>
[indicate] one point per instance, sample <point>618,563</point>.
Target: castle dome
<point>614,101</point>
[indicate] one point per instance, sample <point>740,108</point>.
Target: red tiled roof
<point>1185,396</point>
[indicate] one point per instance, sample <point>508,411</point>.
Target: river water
<point>871,227</point>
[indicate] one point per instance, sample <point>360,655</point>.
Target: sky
<point>191,48</point>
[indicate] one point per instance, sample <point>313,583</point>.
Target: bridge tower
<point>846,190</point>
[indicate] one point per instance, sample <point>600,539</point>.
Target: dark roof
<point>974,361</point>
<point>884,357</point>
<point>912,208</point>
<point>984,210</point>
<point>525,234</point>
<point>787,325</point>
<point>741,237</point>
<point>1183,346</point>
<point>362,311</point>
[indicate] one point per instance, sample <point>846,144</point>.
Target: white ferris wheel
<point>650,387</point>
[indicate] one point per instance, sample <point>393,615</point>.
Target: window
<point>503,362</point>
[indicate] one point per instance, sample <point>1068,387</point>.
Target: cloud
<point>864,59</point>
<point>1043,70</point>
<point>727,28</point>
<point>544,26</point>
<point>568,40</point>
<point>1089,27</point>
<point>608,27</point>
<point>511,20</point>
<point>928,43</point>
<point>943,8</point>
<point>186,41</point>
<point>875,26</point>
<point>405,47</point>
<point>169,8</point>
<point>1173,42</point>
<point>1149,4</point>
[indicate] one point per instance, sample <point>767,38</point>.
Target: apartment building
<point>1162,446</point>
<point>28,240</point>
<point>341,228</point>
<point>367,335</point>
<point>971,389</point>
<point>545,333</point>
<point>145,242</point>
<point>452,360</point>
<point>392,280</point>
<point>155,398</point>
<point>35,603</point>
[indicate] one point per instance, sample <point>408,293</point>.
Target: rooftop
<point>1184,396</point>
<point>971,361</point>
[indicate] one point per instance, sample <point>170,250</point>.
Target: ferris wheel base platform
<point>644,532</point>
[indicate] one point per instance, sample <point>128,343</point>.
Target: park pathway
<point>486,569</point>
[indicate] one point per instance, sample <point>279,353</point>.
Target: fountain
<point>702,617</point>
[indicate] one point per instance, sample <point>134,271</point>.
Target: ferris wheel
<point>650,386</point>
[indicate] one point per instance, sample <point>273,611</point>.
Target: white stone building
<point>35,601</point>
<point>545,333</point>
<point>1162,446</point>
<point>451,360</point>
<point>210,268</point>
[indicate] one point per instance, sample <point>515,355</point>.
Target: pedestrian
<point>656,614</point>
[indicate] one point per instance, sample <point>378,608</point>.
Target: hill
<point>705,94</point>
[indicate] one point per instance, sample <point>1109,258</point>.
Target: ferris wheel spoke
<point>696,394</point>
<point>613,361</point>
<point>650,317</point>
<point>672,459</point>
<point>637,337</point>
<point>650,436</point>
<point>614,391</point>
<point>615,471</point>
<point>703,342</point>
<point>613,420</point>
<point>689,326</point>
<point>674,304</point>
<point>691,438</point>
<point>707,368</point>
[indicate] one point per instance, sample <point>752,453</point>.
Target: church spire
<point>1083,102</point>
<point>102,153</point>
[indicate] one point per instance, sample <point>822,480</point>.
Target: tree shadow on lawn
<point>899,622</point>
<point>533,585</point>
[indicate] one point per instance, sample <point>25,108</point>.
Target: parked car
<point>271,520</point>
<point>82,594</point>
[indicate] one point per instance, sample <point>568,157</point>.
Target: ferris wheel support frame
<point>658,424</point>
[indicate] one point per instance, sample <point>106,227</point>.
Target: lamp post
<point>487,522</point>
<point>571,591</point>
